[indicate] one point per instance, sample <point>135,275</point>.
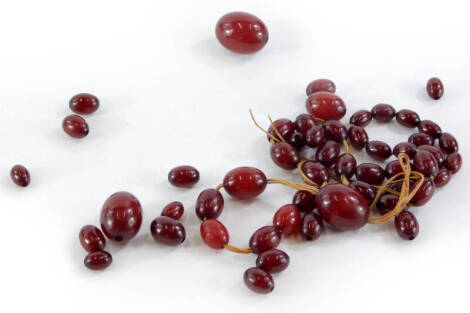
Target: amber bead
<point>408,118</point>
<point>406,225</point>
<point>453,162</point>
<point>284,126</point>
<point>285,155</point>
<point>91,238</point>
<point>378,150</point>
<point>75,126</point>
<point>424,193</point>
<point>174,210</point>
<point>84,103</point>
<point>315,136</point>
<point>419,139</point>
<point>168,231</point>
<point>258,280</point>
<point>392,168</point>
<point>442,178</point>
<point>370,173</point>
<point>304,200</point>
<point>321,85</point>
<point>20,175</point>
<point>358,137</point>
<point>245,182</point>
<point>214,233</point>
<point>303,123</point>
<point>436,152</point>
<point>430,128</point>
<point>264,239</point>
<point>287,219</point>
<point>448,143</point>
<point>435,88</point>
<point>326,105</point>
<point>383,112</point>
<point>361,118</point>
<point>386,204</point>
<point>365,189</point>
<point>316,172</point>
<point>273,261</point>
<point>345,165</point>
<point>209,204</point>
<point>425,163</point>
<point>311,227</point>
<point>335,130</point>
<point>328,153</point>
<point>183,176</point>
<point>98,260</point>
<point>404,147</point>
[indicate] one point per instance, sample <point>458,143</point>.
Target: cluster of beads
<point>83,103</point>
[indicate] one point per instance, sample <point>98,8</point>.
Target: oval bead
<point>370,173</point>
<point>75,126</point>
<point>84,103</point>
<point>436,152</point>
<point>407,118</point>
<point>386,204</point>
<point>424,193</point>
<point>98,260</point>
<point>91,238</point>
<point>435,88</point>
<point>284,126</point>
<point>442,178</point>
<point>425,163</point>
<point>183,176</point>
<point>378,150</point>
<point>361,118</point>
<point>316,172</point>
<point>358,137</point>
<point>326,105</point>
<point>20,175</point>
<point>273,261</point>
<point>345,165</point>
<point>209,204</point>
<point>311,227</point>
<point>406,225</point>
<point>214,233</point>
<point>304,200</point>
<point>321,85</point>
<point>315,136</point>
<point>245,182</point>
<point>258,280</point>
<point>168,231</point>
<point>419,139</point>
<point>448,143</point>
<point>287,218</point>
<point>365,189</point>
<point>383,112</point>
<point>303,123</point>
<point>430,128</point>
<point>392,168</point>
<point>285,155</point>
<point>404,147</point>
<point>173,210</point>
<point>264,239</point>
<point>328,153</point>
<point>335,131</point>
<point>453,162</point>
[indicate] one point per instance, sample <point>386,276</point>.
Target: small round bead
<point>303,123</point>
<point>404,147</point>
<point>392,168</point>
<point>214,234</point>
<point>386,204</point>
<point>365,189</point>
<point>383,112</point>
<point>209,204</point>
<point>304,200</point>
<point>328,153</point>
<point>167,231</point>
<point>435,88</point>
<point>265,238</point>
<point>346,165</point>
<point>448,143</point>
<point>430,128</point>
<point>370,173</point>
<point>358,137</point>
<point>361,118</point>
<point>20,175</point>
<point>425,163</point>
<point>285,155</point>
<point>183,176</point>
<point>335,131</point>
<point>245,182</point>
<point>453,162</point>
<point>258,280</point>
<point>311,227</point>
<point>283,126</point>
<point>315,136</point>
<point>442,178</point>
<point>98,260</point>
<point>173,210</point>
<point>316,172</point>
<point>436,152</point>
<point>406,225</point>
<point>378,150</point>
<point>287,218</point>
<point>424,193</point>
<point>272,261</point>
<point>297,140</point>
<point>420,139</point>
<point>84,103</point>
<point>75,126</point>
<point>91,238</point>
<point>326,105</point>
<point>321,85</point>
<point>408,118</point>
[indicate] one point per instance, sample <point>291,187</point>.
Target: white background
<point>171,95</point>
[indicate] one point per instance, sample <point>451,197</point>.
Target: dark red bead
<point>386,204</point>
<point>406,225</point>
<point>345,165</point>
<point>442,178</point>
<point>258,280</point>
<point>370,173</point>
<point>287,218</point>
<point>183,176</point>
<point>436,152</point>
<point>328,153</point>
<point>420,139</point>
<point>448,143</point>
<point>315,136</point>
<point>326,106</point>
<point>98,260</point>
<point>435,88</point>
<point>272,261</point>
<point>361,118</point>
<point>378,150</point>
<point>425,192</point>
<point>297,140</point>
<point>358,137</point>
<point>121,216</point>
<point>209,204</point>
<point>75,126</point>
<point>335,131</point>
<point>408,118</point>
<point>383,112</point>
<point>174,210</point>
<point>392,168</point>
<point>284,126</point>
<point>311,227</point>
<point>316,172</point>
<point>20,175</point>
<point>241,32</point>
<point>430,128</point>
<point>84,103</point>
<point>453,162</point>
<point>404,147</point>
<point>321,85</point>
<point>168,231</point>
<point>214,234</point>
<point>304,200</point>
<point>245,182</point>
<point>365,189</point>
<point>91,238</point>
<point>264,239</point>
<point>285,155</point>
<point>303,123</point>
<point>425,163</point>
<point>342,207</point>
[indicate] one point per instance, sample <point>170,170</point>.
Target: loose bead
<point>91,238</point>
<point>453,162</point>
<point>328,153</point>
<point>321,85</point>
<point>287,218</point>
<point>304,200</point>
<point>383,113</point>
<point>245,182</point>
<point>404,147</point>
<point>392,168</point>
<point>285,155</point>
<point>358,137</point>
<point>264,239</point>
<point>335,131</point>
<point>173,210</point>
<point>406,225</point>
<point>20,175</point>
<point>370,173</point>
<point>378,150</point>
<point>84,103</point>
<point>315,136</point>
<point>442,178</point>
<point>430,128</point>
<point>272,261</point>
<point>311,227</point>
<point>326,106</point>
<point>435,88</point>
<point>209,204</point>
<point>258,280</point>
<point>316,172</point>
<point>167,231</point>
<point>361,118</point>
<point>420,139</point>
<point>424,193</point>
<point>345,165</point>
<point>303,123</point>
<point>75,126</point>
<point>408,118</point>
<point>183,176</point>
<point>297,140</point>
<point>386,204</point>
<point>98,260</point>
<point>365,189</point>
<point>214,233</point>
<point>448,143</point>
<point>425,163</point>
<point>436,152</point>
<point>283,126</point>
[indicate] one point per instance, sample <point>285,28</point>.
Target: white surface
<point>172,95</point>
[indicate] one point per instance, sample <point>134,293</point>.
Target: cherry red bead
<point>311,227</point>
<point>443,177</point>
<point>75,126</point>
<point>316,172</point>
<point>98,260</point>
<point>365,189</point>
<point>335,131</point>
<point>183,176</point>
<point>342,207</point>
<point>241,32</point>
<point>84,103</point>
<point>167,231</point>
<point>435,88</point>
<point>20,175</point>
<point>297,140</point>
<point>436,152</point>
<point>304,200</point>
<point>303,123</point>
<point>408,118</point>
<point>284,126</point>
<point>358,137</point>
<point>258,280</point>
<point>370,173</point>
<point>383,112</point>
<point>386,204</point>
<point>287,218</point>
<point>245,182</point>
<point>406,225</point>
<point>430,128</point>
<point>285,155</point>
<point>273,261</point>
<point>420,139</point>
<point>392,168</point>
<point>404,147</point>
<point>214,233</point>
<point>425,163</point>
<point>326,105</point>
<point>264,239</point>
<point>448,143</point>
<point>345,165</point>
<point>453,162</point>
<point>174,210</point>
<point>328,153</point>
<point>361,118</point>
<point>321,85</point>
<point>378,150</point>
<point>209,204</point>
<point>91,238</point>
<point>424,193</point>
<point>315,136</point>
<point>121,216</point>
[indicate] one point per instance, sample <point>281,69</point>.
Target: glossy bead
<point>304,200</point>
<point>316,172</point>
<point>392,168</point>
<point>328,153</point>
<point>91,238</point>
<point>285,155</point>
<point>303,123</point>
<point>342,207</point>
<point>183,176</point>
<point>404,147</point>
<point>168,231</point>
<point>287,218</point>
<point>98,260</point>
<point>425,163</point>
<point>383,112</point>
<point>264,239</point>
<point>20,175</point>
<point>361,118</point>
<point>442,178</point>
<point>321,85</point>
<point>436,152</point>
<point>173,210</point>
<point>272,261</point>
<point>75,126</point>
<point>365,189</point>
<point>345,165</point>
<point>453,162</point>
<point>424,193</point>
<point>430,128</point>
<point>419,139</point>
<point>448,143</point>
<point>406,225</point>
<point>326,105</point>
<point>283,126</point>
<point>378,150</point>
<point>258,280</point>
<point>297,140</point>
<point>84,103</point>
<point>121,216</point>
<point>358,137</point>
<point>311,227</point>
<point>408,118</point>
<point>209,204</point>
<point>315,136</point>
<point>245,182</point>
<point>214,234</point>
<point>241,32</point>
<point>435,88</point>
<point>335,131</point>
<point>386,204</point>
<point>370,173</point>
